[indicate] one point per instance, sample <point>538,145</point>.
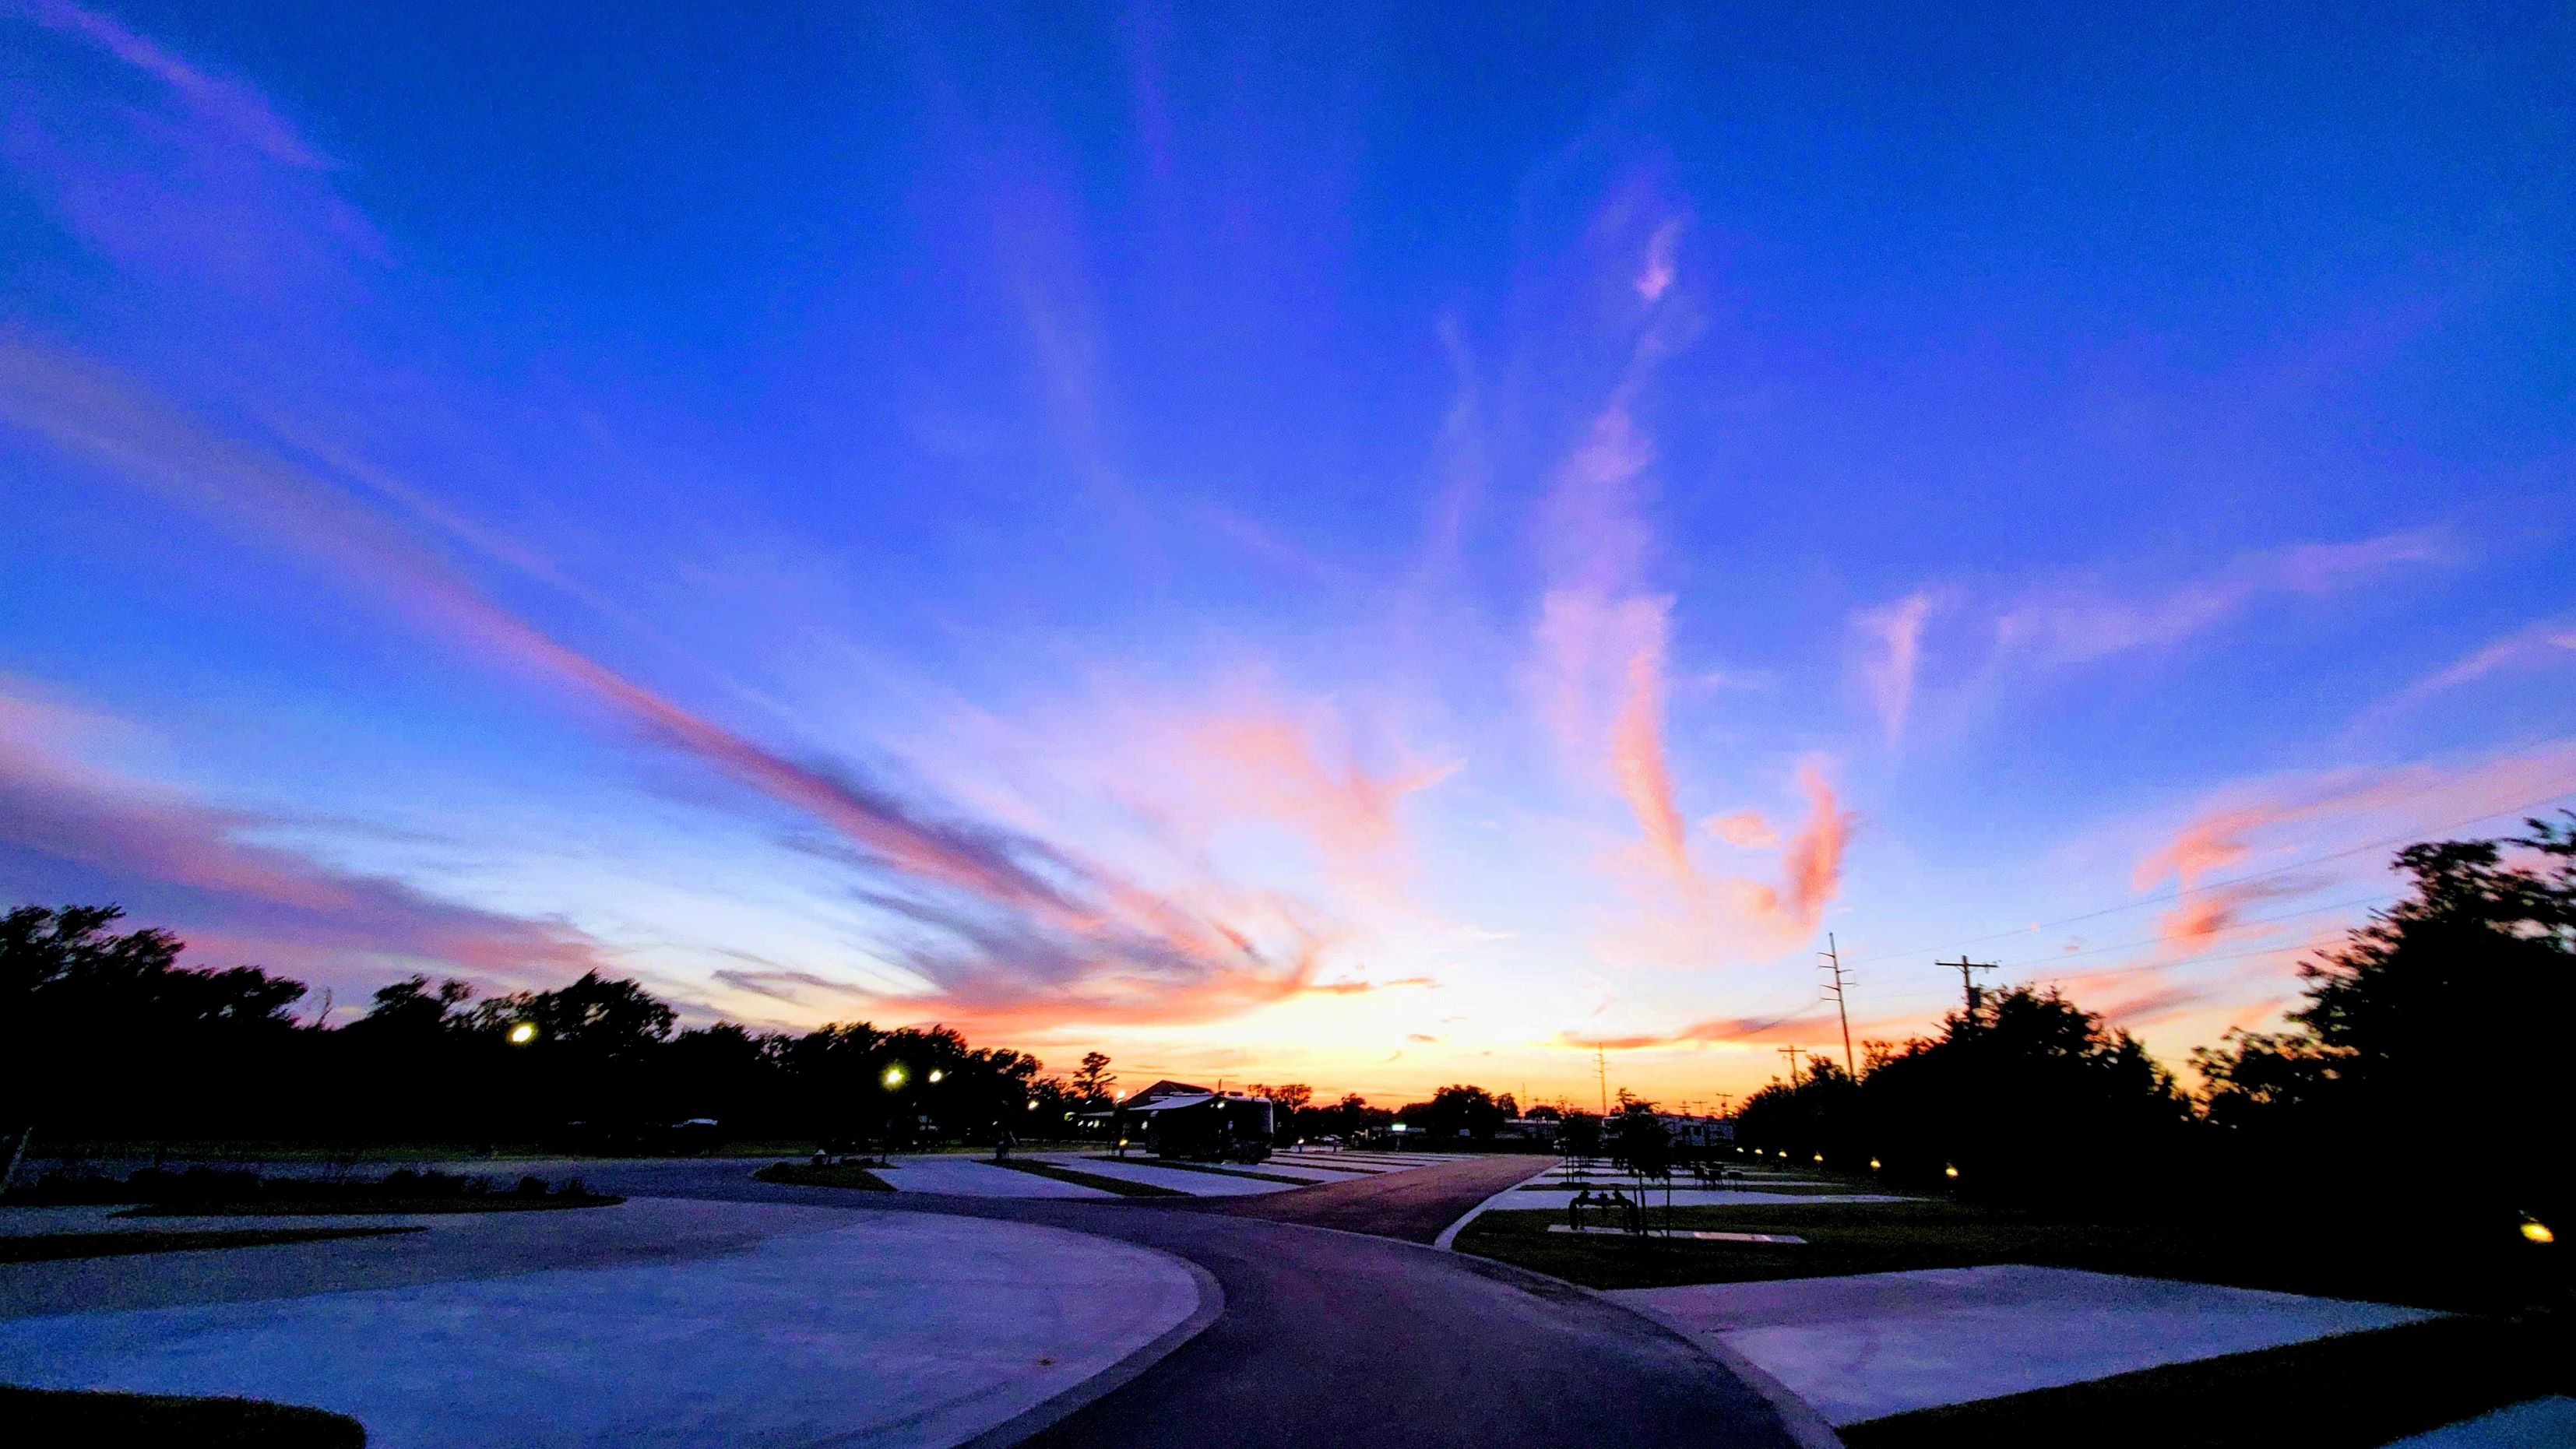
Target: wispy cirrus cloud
<point>2075,622</point>
<point>995,921</point>
<point>100,836</point>
<point>1895,653</point>
<point>233,107</point>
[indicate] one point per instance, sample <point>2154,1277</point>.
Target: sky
<point>1318,543</point>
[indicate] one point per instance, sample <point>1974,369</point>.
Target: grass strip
<point>67,1416</point>
<point>1217,1171</point>
<point>800,1174</point>
<point>1079,1178</point>
<point>2339,1259</point>
<point>57,1247</point>
<point>1327,1166</point>
<point>489,1202</point>
<point>2345,1392</point>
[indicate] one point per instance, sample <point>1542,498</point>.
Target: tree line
<point>105,1036</point>
<point>2395,1076</point>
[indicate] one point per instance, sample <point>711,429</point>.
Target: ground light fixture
<point>524,1033</point>
<point>2536,1231</point>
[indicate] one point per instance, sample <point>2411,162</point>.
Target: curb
<point>1808,1427</point>
<point>1046,1415</point>
<point>1449,1235</point>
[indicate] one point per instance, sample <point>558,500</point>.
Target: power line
<point>2178,891</point>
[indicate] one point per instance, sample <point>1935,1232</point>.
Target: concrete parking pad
<point>892,1329</point>
<point>1178,1179</point>
<point>2539,1424</point>
<point>1884,1343</point>
<point>969,1177</point>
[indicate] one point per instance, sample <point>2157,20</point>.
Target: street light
<point>523,1033</point>
<point>1950,1171</point>
<point>2536,1231</point>
<point>936,1074</point>
<point>1033,1104</point>
<point>893,1077</point>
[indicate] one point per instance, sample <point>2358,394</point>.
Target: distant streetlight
<point>1033,1104</point>
<point>2536,1231</point>
<point>524,1033</point>
<point>936,1074</point>
<point>1873,1164</point>
<point>1950,1171</point>
<point>893,1077</point>
<point>1820,1157</point>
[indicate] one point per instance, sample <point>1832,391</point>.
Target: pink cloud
<point>107,838</point>
<point>1896,634</point>
<point>1637,757</point>
<point>1280,767</point>
<point>1745,829</point>
<point>1662,265</point>
<point>999,920</point>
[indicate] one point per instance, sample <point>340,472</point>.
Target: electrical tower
<point>1833,962</point>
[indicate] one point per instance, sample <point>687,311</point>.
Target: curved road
<point>1357,1335</point>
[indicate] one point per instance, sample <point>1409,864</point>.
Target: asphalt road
<point>1340,1338</point>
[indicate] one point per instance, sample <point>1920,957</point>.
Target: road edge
<point>1449,1235</point>
<point>1048,1413</point>
<point>1801,1419</point>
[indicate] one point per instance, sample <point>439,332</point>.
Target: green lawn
<point>798,1174</point>
<point>55,1247</point>
<point>2373,1262</point>
<point>52,1416</point>
<point>2347,1392</point>
<point>1079,1178</point>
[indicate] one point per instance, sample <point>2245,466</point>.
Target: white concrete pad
<point>971,1177</point>
<point>905,1329</point>
<point>1691,1197</point>
<point>2537,1424</point>
<point>1178,1179</point>
<point>1883,1343</point>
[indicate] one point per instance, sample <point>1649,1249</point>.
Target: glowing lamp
<point>1951,1171</point>
<point>1033,1104</point>
<point>524,1033</point>
<point>2536,1231</point>
<point>893,1078</point>
<point>1873,1164</point>
<point>936,1074</point>
<point>1820,1157</point>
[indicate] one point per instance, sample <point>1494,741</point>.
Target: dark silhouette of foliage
<point>2395,1041</point>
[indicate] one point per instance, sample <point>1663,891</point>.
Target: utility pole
<point>1601,1069</point>
<point>1967,983</point>
<point>1834,962</point>
<point>1724,1100</point>
<point>1791,1052</point>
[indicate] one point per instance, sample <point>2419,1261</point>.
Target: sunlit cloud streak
<point>121,840</point>
<point>1019,915</point>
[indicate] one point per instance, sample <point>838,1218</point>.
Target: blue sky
<point>1350,546</point>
